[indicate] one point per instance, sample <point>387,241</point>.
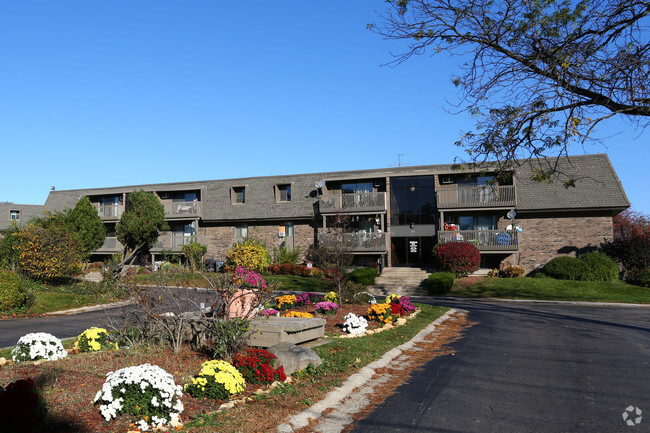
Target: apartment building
<point>391,216</point>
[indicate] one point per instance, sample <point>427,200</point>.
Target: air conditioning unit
<point>164,195</point>
<point>280,234</point>
<point>446,179</point>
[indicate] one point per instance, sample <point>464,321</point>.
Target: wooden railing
<point>355,202</point>
<point>484,240</point>
<point>355,242</point>
<point>182,208</point>
<point>475,196</point>
<point>111,211</point>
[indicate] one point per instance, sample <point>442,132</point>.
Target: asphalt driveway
<point>530,368</point>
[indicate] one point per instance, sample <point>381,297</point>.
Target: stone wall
<point>545,237</point>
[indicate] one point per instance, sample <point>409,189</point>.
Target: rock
<point>3,361</point>
<point>294,358</point>
<point>401,321</point>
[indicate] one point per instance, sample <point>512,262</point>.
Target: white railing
<point>484,240</point>
<point>111,244</point>
<point>358,241</point>
<point>175,242</point>
<point>354,202</point>
<point>182,208</point>
<point>475,196</point>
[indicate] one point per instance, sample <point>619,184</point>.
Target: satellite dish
<point>511,214</point>
<point>319,184</point>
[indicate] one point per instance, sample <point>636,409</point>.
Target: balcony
<point>174,209</point>
<point>482,196</point>
<point>352,203</point>
<point>358,242</point>
<point>174,243</point>
<point>109,212</point>
<point>484,240</point>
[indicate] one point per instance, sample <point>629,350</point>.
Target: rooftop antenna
<point>399,161</point>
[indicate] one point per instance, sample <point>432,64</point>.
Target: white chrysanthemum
<point>355,324</point>
<point>38,345</point>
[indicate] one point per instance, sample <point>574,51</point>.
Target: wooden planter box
<point>270,331</point>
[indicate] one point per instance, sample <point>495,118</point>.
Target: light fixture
<point>412,189</point>
<point>412,225</point>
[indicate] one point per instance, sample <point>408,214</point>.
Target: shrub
<point>193,253</point>
<point>217,380</point>
<point>250,254</point>
<point>350,291</point>
<point>639,277</point>
<point>284,255</point>
<point>365,298</point>
<point>229,337</point>
<point>38,345</point>
<point>365,276</point>
<point>355,324</point>
<point>332,297</point>
<point>13,296</point>
<point>246,279</point>
<point>147,392</point>
<point>48,254</point>
<point>291,269</point>
<point>440,283</point>
<point>598,267</point>
<point>256,365</point>
<point>94,339</point>
<point>461,258</point>
<point>513,272</point>
<point>564,268</point>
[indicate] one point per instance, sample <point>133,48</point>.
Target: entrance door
<point>415,251</point>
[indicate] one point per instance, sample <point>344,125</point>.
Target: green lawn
<point>550,289</point>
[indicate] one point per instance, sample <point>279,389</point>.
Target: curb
<point>537,301</point>
<point>87,309</point>
<point>358,379</point>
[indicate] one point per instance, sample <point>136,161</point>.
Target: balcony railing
<point>475,196</point>
<point>182,208</point>
<point>484,240</point>
<point>355,202</point>
<point>110,211</point>
<point>175,242</point>
<point>111,245</point>
<point>355,242</point>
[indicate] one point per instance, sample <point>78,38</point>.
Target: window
<point>288,229</point>
<point>14,215</point>
<point>238,194</point>
<point>283,193</point>
<point>241,232</point>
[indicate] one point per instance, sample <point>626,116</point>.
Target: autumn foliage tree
<point>631,243</point>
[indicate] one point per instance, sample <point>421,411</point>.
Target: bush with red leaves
<point>461,258</point>
<point>256,365</point>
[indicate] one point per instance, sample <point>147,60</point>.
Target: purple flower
<point>326,307</point>
<point>270,312</point>
<point>406,304</point>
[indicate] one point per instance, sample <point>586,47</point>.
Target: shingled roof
<point>597,187</point>
<point>27,212</point>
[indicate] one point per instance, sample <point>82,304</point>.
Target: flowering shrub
<point>285,302</point>
<point>256,365</point>
<point>48,254</point>
<point>94,339</point>
<point>13,295</point>
<point>332,297</point>
<point>145,391</point>
<point>355,324</point>
<point>308,298</point>
<point>298,314</point>
<point>270,312</point>
<point>396,309</point>
<point>326,307</point>
<point>461,258</point>
<point>250,254</point>
<point>38,345</point>
<point>217,380</point>
<point>21,407</point>
<point>246,279</point>
<point>380,313</point>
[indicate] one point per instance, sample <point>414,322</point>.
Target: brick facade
<point>545,237</point>
<point>220,238</point>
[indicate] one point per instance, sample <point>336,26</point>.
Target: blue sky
<point>101,94</point>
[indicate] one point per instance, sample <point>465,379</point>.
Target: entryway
<point>412,251</point>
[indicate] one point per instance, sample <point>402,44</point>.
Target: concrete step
<point>401,281</point>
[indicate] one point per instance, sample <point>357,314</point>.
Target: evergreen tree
<point>85,223</point>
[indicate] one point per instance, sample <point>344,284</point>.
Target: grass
<point>551,290</point>
<point>69,385</point>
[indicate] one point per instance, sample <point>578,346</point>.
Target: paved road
<point>530,368</point>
